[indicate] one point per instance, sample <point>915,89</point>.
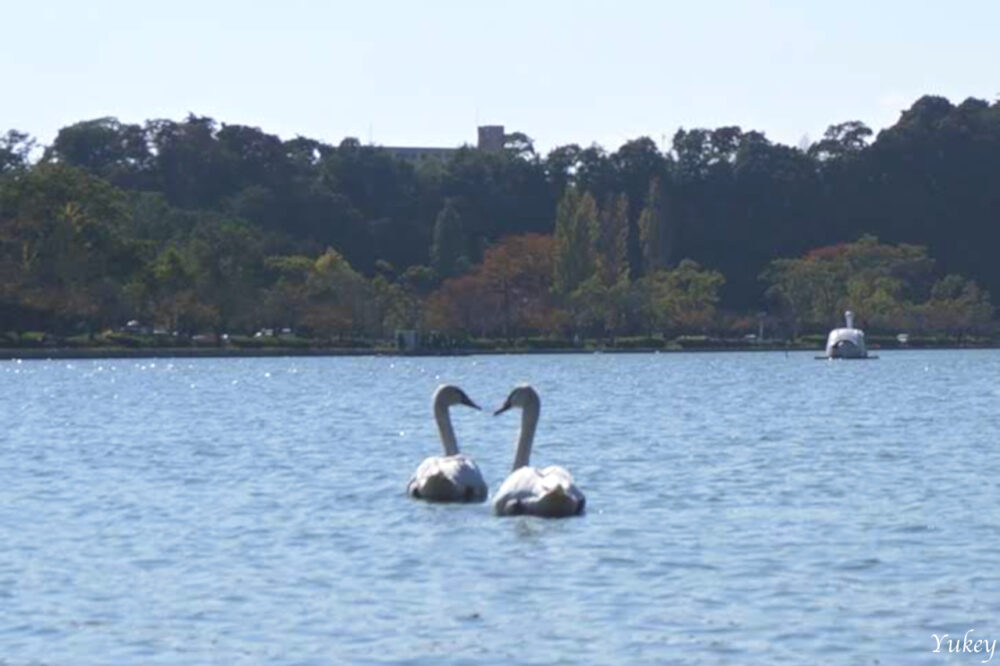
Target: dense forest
<point>197,226</point>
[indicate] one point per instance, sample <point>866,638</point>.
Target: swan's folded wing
<point>465,473</point>
<point>557,479</point>
<point>520,486</point>
<point>448,478</point>
<point>555,472</point>
<point>549,492</point>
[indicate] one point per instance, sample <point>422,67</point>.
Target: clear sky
<point>426,72</point>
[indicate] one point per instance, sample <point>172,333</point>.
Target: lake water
<point>742,508</point>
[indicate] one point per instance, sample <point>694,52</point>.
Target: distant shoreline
<point>125,353</point>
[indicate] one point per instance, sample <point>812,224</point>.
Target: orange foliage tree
<point>508,294</point>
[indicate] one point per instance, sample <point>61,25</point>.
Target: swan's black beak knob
<point>467,401</point>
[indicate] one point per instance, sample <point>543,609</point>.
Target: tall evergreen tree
<point>655,230</point>
<point>611,241</point>
<point>448,250</point>
<point>576,228</point>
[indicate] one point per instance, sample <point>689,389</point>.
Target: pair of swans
<point>455,477</point>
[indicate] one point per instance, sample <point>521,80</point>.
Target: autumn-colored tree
<point>509,293</point>
<point>518,271</point>
<point>465,304</point>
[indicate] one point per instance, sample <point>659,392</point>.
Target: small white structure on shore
<point>407,340</point>
<point>848,342</point>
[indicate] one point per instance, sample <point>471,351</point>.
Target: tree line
<point>197,225</point>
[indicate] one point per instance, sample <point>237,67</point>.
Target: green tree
<point>15,151</point>
<point>228,263</point>
<point>637,163</point>
<point>882,283</point>
<point>284,302</point>
<point>561,164</point>
<point>656,230</point>
<point>841,141</point>
<point>107,148</point>
<point>340,297</point>
<point>956,306</point>
<point>164,294</point>
<point>418,280</point>
<point>611,241</point>
<point>685,298</point>
<point>519,145</point>
<point>602,304</point>
<point>448,256</point>
<point>62,246</point>
<point>801,289</point>
<point>395,306</point>
<point>575,232</point>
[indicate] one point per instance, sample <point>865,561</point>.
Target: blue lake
<point>742,508</point>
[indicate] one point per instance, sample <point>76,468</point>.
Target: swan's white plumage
<point>453,477</point>
<point>448,479</point>
<point>549,492</point>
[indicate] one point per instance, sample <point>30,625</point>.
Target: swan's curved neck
<point>443,419</point>
<point>529,421</point>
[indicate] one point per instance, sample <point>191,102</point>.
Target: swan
<point>453,477</point>
<point>548,492</point>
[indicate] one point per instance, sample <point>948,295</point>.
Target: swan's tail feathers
<point>511,507</point>
<point>558,500</point>
<point>556,486</point>
<point>438,487</point>
<point>474,493</point>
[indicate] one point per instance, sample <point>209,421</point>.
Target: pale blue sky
<point>425,72</point>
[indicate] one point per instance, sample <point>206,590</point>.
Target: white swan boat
<point>847,342</point>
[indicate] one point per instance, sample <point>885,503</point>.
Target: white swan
<point>549,492</point>
<point>453,477</point>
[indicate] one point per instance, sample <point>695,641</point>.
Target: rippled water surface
<point>742,508</point>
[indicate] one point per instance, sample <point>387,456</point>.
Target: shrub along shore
<point>239,347</point>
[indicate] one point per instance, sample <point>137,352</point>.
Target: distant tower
<point>491,138</point>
